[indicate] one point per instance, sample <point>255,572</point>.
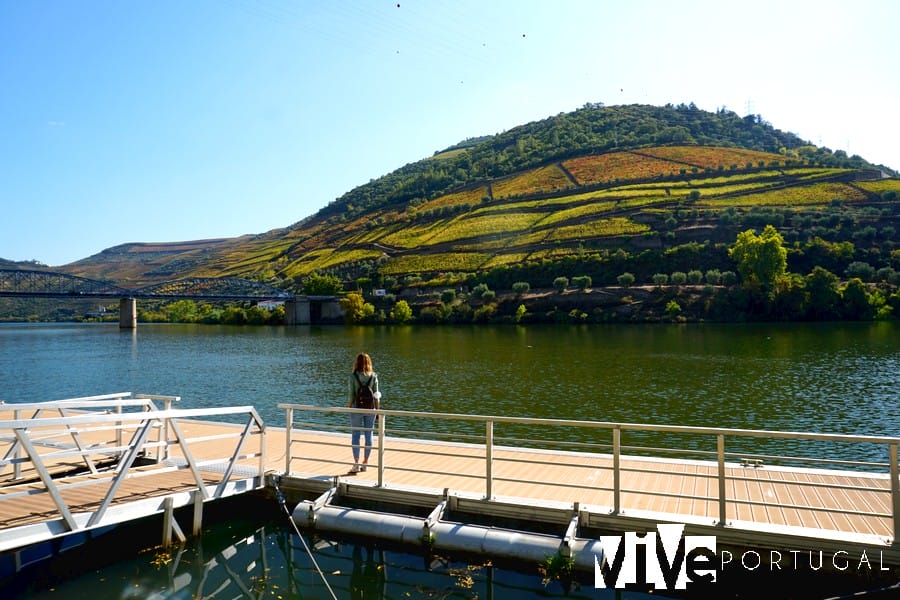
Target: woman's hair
<point>363,363</point>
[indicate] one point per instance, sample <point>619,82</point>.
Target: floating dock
<point>457,482</point>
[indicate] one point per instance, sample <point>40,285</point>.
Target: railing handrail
<point>160,415</point>
<point>73,404</point>
<point>830,437</point>
<point>719,434</point>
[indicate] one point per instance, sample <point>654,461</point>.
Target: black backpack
<point>365,397</point>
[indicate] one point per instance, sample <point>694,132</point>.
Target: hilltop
<point>597,192</point>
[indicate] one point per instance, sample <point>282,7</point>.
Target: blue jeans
<point>362,424</point>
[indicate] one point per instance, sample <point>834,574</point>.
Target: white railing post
<point>167,405</point>
<point>381,419</point>
<point>489,459</point>
<point>262,455</point>
<point>895,492</point>
<point>17,466</point>
<point>617,470</point>
<point>288,435</point>
<point>119,429</point>
<point>720,452</point>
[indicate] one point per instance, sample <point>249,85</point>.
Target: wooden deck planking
<point>870,499</point>
<point>683,488</point>
<point>774,488</point>
<point>670,487</point>
<point>40,507</point>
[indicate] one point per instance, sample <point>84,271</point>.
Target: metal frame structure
<point>105,403</point>
<point>16,282</point>
<point>48,284</point>
<point>35,443</point>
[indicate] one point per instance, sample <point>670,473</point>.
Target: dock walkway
<point>743,500</point>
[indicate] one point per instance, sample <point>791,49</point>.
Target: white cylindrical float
<point>494,542</point>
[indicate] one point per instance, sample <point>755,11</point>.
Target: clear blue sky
<point>171,120</point>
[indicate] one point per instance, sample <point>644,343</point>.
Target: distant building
<point>96,314</point>
<point>270,304</point>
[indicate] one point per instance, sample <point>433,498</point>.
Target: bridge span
<point>22,283</point>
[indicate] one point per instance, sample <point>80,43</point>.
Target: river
<point>822,377</point>
<point>831,377</point>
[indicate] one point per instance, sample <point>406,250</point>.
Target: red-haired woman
<point>362,423</point>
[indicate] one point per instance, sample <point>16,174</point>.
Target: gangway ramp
<point>74,466</point>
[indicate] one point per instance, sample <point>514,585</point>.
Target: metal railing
<point>97,447</point>
<point>103,404</point>
<point>728,453</point>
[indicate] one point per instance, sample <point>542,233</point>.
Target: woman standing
<point>362,423</point>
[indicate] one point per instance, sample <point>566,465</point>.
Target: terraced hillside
<point>604,185</point>
<point>653,198</point>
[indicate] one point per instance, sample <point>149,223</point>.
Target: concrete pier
<point>306,310</point>
<point>127,313</point>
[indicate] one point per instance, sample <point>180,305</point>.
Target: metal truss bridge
<point>48,284</point>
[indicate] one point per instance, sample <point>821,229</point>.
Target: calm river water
<point>835,377</point>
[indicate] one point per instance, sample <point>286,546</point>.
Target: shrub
<point>673,309</point>
<point>479,289</point>
<point>436,314</point>
<point>885,274</point>
<point>862,270</point>
<point>354,307</point>
<point>625,279</point>
<point>521,287</point>
<point>678,278</point>
<point>577,315</point>
<point>695,276</point>
<point>560,284</point>
<point>660,279</point>
<point>583,282</point>
<point>484,313</point>
<point>401,313</point>
<point>520,313</point>
<point>322,285</point>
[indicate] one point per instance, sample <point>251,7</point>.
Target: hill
<point>598,192</point>
<point>137,264</point>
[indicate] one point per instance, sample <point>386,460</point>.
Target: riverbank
<point>664,303</point>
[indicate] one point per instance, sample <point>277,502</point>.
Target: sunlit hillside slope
<point>602,183</point>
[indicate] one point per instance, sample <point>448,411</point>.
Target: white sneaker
<point>355,469</point>
<point>362,467</point>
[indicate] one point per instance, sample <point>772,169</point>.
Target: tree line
<point>751,281</point>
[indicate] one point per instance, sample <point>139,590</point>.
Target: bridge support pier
<point>127,313</point>
<point>311,310</point>
<point>296,312</point>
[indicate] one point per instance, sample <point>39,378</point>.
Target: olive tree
<point>625,279</point>
<point>583,282</point>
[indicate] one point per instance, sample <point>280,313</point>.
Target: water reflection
<point>368,578</point>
